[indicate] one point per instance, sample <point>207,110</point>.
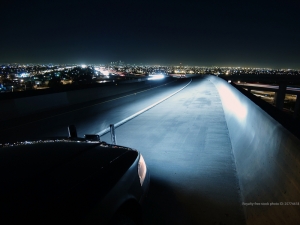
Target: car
<point>71,180</point>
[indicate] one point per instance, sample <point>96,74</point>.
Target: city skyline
<point>261,34</point>
<point>144,64</point>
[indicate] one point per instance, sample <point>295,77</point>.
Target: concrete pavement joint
<point>106,130</point>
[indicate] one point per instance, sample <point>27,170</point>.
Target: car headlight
<point>142,169</point>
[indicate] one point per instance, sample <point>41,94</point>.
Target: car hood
<point>29,161</point>
<point>37,176</point>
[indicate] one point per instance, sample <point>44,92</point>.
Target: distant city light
<point>104,72</point>
<point>24,75</point>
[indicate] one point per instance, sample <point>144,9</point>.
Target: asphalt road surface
<point>185,143</point>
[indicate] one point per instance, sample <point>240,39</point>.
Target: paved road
<point>185,143</point>
<point>88,118</point>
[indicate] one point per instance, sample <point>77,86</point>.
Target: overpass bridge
<point>267,87</point>
<point>265,78</point>
<point>279,85</point>
<point>215,157</point>
<point>280,91</point>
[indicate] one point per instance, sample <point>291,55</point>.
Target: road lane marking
<point>106,130</point>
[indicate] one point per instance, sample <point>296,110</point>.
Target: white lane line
<point>59,114</point>
<point>106,130</point>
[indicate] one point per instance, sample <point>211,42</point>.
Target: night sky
<point>204,33</point>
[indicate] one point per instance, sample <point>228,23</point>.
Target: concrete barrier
<point>267,158</point>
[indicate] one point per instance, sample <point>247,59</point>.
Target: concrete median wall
<point>267,158</point>
<point>13,108</point>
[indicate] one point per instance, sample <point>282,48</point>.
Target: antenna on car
<point>72,131</point>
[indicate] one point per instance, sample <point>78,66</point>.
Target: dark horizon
<point>261,34</point>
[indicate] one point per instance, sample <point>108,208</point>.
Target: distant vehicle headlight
<point>156,77</point>
<point>142,169</point>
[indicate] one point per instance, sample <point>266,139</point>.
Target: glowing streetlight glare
<point>156,77</point>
